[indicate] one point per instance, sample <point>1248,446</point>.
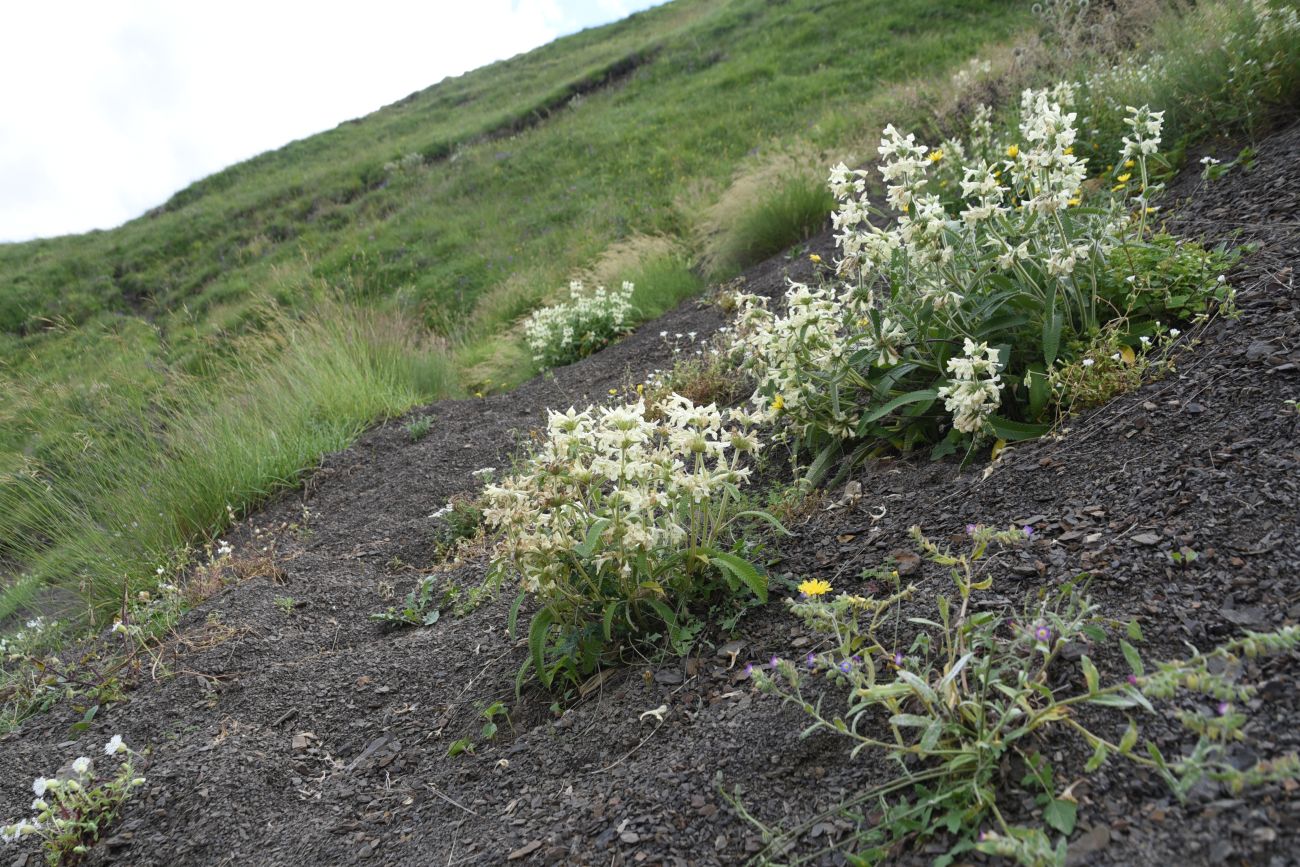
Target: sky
<point>107,107</point>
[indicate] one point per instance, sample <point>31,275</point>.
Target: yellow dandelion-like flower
<point>815,587</point>
<point>936,155</point>
<point>613,391</point>
<point>814,258</point>
<point>778,402</point>
<point>1069,151</point>
<point>1072,202</point>
<point>1124,178</point>
<point>1013,151</point>
<point>1128,164</point>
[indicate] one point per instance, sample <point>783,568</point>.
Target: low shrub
<point>563,333</point>
<point>986,282</point>
<point>620,521</point>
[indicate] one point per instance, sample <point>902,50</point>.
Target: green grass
<point>151,469</point>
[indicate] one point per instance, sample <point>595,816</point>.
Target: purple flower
<point>1224,707</point>
<point>812,660</point>
<point>846,666</point>
<point>1029,531</point>
<point>1043,633</point>
<point>970,529</point>
<point>749,669</point>
<point>773,661</point>
<point>857,660</point>
<point>898,659</point>
<point>1132,680</point>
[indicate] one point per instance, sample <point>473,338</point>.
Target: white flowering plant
<point>951,312</point>
<point>70,811</point>
<point>964,695</point>
<point>562,333</point>
<point>621,520</point>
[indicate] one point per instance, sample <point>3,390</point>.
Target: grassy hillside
<point>447,215</point>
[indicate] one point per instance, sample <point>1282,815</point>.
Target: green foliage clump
<point>972,687</point>
<point>565,332</point>
<point>976,300</point>
<point>621,521</point>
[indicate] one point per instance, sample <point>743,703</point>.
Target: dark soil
<point>316,735</point>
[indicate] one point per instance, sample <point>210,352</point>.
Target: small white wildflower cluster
<point>612,492</point>
<point>408,163</point>
<point>561,333</point>
<point>974,391</point>
<point>71,811</point>
<point>929,273</point>
<point>971,73</point>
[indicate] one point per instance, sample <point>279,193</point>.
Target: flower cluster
<point>561,333</point>
<point>617,522</point>
<point>969,397</point>
<point>982,243</point>
<point>643,478</point>
<point>72,810</point>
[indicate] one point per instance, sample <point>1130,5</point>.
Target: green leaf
<point>463,745</point>
<point>930,739</point>
<point>924,396</point>
<point>1130,738</point>
<point>765,518</point>
<point>537,632</point>
<point>909,720</point>
<point>513,618</point>
<point>665,613</point>
<point>1061,815</point>
<point>1012,431</point>
<point>743,570</point>
<point>431,618</point>
<point>1052,324</point>
<point>1040,390</point>
<point>821,465</point>
<point>592,538</point>
<point>1132,657</point>
<point>489,731</point>
<point>1090,674</point>
<point>611,610</point>
<point>1099,756</point>
<point>1134,631</point>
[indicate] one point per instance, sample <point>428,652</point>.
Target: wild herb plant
<point>72,810</point>
<point>953,697</point>
<point>973,300</point>
<point>418,429</point>
<point>561,333</point>
<point>622,519</point>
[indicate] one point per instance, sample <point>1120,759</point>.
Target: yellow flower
<point>814,258</point>
<point>778,402</point>
<point>1128,164</point>
<point>936,155</point>
<point>613,391</point>
<point>1013,151</point>
<point>1117,188</point>
<point>1072,202</point>
<point>1069,151</point>
<point>1124,178</point>
<point>640,388</point>
<point>815,587</point>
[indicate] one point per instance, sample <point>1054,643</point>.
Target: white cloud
<point>110,107</point>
